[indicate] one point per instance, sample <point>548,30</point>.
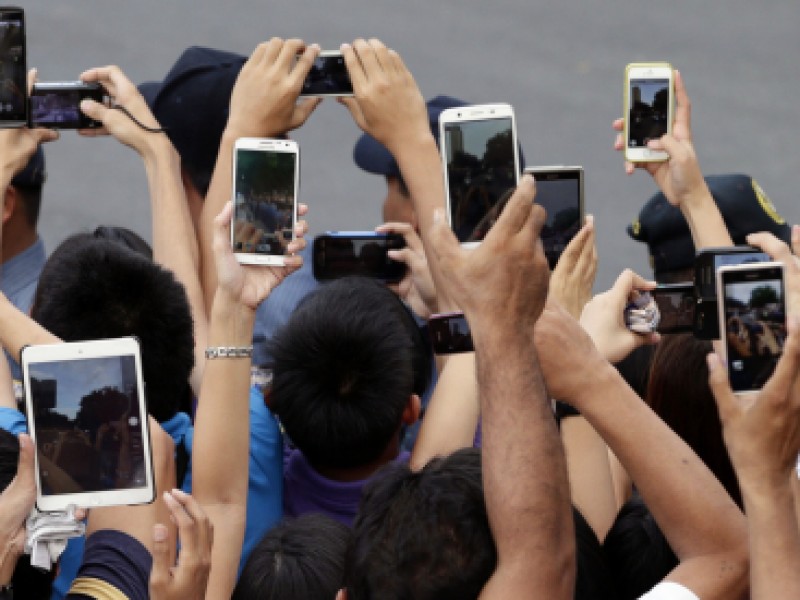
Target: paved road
<point>560,64</point>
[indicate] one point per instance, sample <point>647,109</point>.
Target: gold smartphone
<point>648,109</point>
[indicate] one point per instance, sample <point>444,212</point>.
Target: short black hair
<point>345,366</point>
<point>96,288</point>
<point>31,197</point>
<point>299,559</point>
<point>637,551</point>
<point>9,458</point>
<point>422,535</point>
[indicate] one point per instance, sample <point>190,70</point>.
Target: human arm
<point>573,276</point>
<point>19,330</point>
<point>263,104</point>
<point>702,524</point>
<point>524,473</point>
<point>174,241</point>
<point>16,502</point>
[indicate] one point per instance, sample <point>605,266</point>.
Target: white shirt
<point>669,590</point>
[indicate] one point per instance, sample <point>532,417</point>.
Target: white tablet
<point>88,419</point>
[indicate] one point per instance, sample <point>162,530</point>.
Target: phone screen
<point>88,425</point>
<point>481,170</point>
<point>649,110</point>
<point>676,305</point>
<point>755,325</point>
<point>265,201</point>
<point>59,107</point>
<point>559,192</point>
<point>13,77</point>
<point>343,255</point>
<point>328,77</point>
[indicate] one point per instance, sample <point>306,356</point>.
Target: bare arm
<point>18,330</point>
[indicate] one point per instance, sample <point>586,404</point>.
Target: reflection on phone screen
<point>481,171</point>
<point>560,197</point>
<point>13,79</point>
<point>264,205</point>
<point>649,111</point>
<point>328,76</point>
<point>88,425</point>
<point>676,309</point>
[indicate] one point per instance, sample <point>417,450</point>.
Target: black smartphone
<point>560,191</point>
<point>328,76</point>
<point>676,307</point>
<point>752,308</point>
<point>13,70</point>
<point>57,105</point>
<point>342,253</point>
<point>450,333</point>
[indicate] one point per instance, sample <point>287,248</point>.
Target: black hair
<point>299,559</point>
<point>31,201</point>
<point>9,457</point>
<point>345,366</point>
<point>126,237</point>
<point>96,288</point>
<point>638,553</point>
<point>422,535</point>
<point>594,579</point>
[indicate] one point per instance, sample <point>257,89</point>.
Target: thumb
<point>160,573</point>
<point>720,387</point>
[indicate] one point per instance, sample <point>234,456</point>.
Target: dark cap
<point>192,103</point>
<point>372,156</point>
<point>745,209</point>
<point>34,173</point>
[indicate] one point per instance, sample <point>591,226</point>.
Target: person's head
<point>299,559</point>
<point>373,157</point>
<point>745,209</point>
<point>678,392</point>
<point>22,201</point>
<point>422,535</point>
<point>94,288</point>
<point>192,104</point>
<point>349,367</point>
<point>637,552</point>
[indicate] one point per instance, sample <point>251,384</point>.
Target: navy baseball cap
<point>745,209</point>
<point>34,173</point>
<point>192,104</point>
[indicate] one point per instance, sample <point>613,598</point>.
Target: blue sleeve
<point>13,421</point>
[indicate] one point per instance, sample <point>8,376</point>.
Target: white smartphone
<point>752,318</point>
<point>88,420</point>
<point>559,190</point>
<point>480,156</point>
<point>266,180</point>
<point>328,76</point>
<point>648,109</point>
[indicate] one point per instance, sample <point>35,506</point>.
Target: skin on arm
<point>264,103</point>
<point>524,471</point>
<point>174,242</point>
<point>16,501</point>
<point>702,524</point>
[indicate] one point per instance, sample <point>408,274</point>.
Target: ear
<point>341,594</point>
<point>9,203</point>
<point>412,410</point>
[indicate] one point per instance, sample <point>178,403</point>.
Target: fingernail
<point>85,104</point>
<point>160,533</point>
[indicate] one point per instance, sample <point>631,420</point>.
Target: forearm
<point>451,417</point>
<point>174,241</point>
<point>527,498</point>
<point>18,330</point>
<point>705,220</point>
<point>774,543</point>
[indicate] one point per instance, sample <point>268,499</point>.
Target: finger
<point>187,527</point>
<point>266,53</point>
<point>382,54</point>
<point>618,144</point>
<point>222,223</point>
<point>618,124</point>
<point>302,210</point>
<point>31,80</point>
<point>94,110</point>
<point>398,65</point>
<point>198,517</point>
<point>288,55</point>
<point>786,371</point>
<point>355,110</point>
<point>44,135</point>
<point>727,404</point>
<point>406,230</point>
<point>516,212</point>
<point>683,107</point>
<point>301,228</point>
<point>24,482</point>
<point>575,248</point>
<point>770,244</point>
<point>369,60</point>
<point>305,60</point>
<point>355,68</point>
<point>303,110</point>
<point>160,571</point>
<point>796,240</point>
<point>404,256</point>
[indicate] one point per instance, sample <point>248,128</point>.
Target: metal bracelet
<point>229,352</point>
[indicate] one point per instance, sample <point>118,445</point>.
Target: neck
<point>17,242</point>
<point>346,475</point>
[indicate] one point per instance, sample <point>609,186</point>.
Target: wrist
<point>232,319</point>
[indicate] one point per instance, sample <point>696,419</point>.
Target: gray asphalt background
<point>560,64</point>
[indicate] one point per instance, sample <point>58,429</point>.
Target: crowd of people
<point>332,456</point>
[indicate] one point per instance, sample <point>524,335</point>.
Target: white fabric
<point>669,590</point>
<point>47,535</point>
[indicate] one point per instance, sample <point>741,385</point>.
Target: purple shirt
<point>306,491</point>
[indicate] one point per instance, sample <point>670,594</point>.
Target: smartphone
<point>709,260</point>
<point>343,253</point>
<point>88,420</point>
<point>752,308</point>
<point>560,191</point>
<point>648,109</point>
<point>328,76</point>
<point>57,105</point>
<point>450,333</point>
<point>676,305</point>
<point>266,179</point>
<point>13,70</point>
<point>480,155</point>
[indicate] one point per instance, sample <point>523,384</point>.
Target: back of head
<point>29,183</point>
<point>637,552</point>
<point>679,393</point>
<point>744,206</point>
<point>345,366</point>
<point>300,559</point>
<point>95,288</point>
<point>422,535</point>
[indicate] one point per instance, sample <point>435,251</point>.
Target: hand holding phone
<point>648,109</point>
